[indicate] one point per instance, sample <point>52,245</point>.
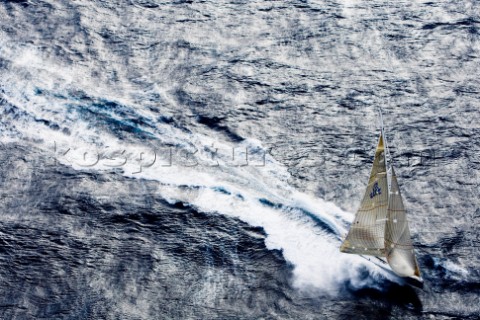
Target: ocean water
<point>203,159</point>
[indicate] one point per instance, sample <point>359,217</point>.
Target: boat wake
<point>306,230</point>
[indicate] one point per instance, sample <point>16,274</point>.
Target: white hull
<point>382,263</point>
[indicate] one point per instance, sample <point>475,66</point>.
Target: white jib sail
<point>398,243</point>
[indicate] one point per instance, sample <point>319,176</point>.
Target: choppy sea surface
<point>203,159</point>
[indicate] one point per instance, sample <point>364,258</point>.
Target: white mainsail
<point>366,234</point>
<point>380,227</point>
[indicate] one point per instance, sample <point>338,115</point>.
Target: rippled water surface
<point>202,160</point>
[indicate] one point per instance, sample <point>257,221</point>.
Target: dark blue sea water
<point>202,159</point>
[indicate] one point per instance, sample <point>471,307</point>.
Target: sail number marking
<point>375,190</point>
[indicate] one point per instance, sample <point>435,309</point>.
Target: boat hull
<point>382,263</point>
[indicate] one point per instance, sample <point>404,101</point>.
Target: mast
<point>388,157</point>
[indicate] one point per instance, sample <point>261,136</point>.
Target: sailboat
<point>380,228</point>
